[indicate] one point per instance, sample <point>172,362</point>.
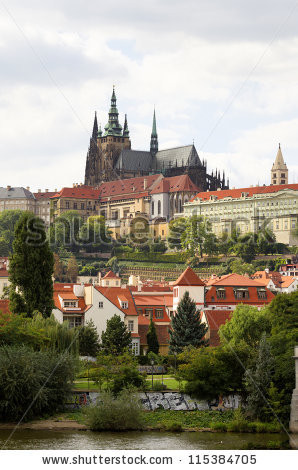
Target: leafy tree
<point>94,235</point>
<point>65,232</point>
<point>152,341</point>
<point>158,246</point>
<point>176,231</point>
<point>246,247</point>
<point>239,267</point>
<point>117,372</point>
<point>113,264</point>
<point>72,269</point>
<point>31,268</point>
<point>258,381</point>
<point>116,339</point>
<point>210,372</point>
<point>58,268</point>
<point>88,339</point>
<point>246,326</point>
<point>8,221</point>
<point>197,236</point>
<point>33,382</point>
<point>187,328</point>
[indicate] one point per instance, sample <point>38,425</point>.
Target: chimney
<point>55,190</point>
<point>218,189</point>
<point>28,188</point>
<point>145,183</point>
<point>46,190</point>
<point>8,188</point>
<point>73,185</point>
<point>39,190</point>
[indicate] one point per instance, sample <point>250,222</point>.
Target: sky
<point>221,73</point>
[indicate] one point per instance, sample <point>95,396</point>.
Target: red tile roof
<point>253,299</point>
<point>188,278</point>
<point>110,275</point>
<point>181,183</point>
<point>68,296</point>
<point>216,318</point>
<point>236,193</point>
<point>234,280</point>
<point>66,292</point>
<point>127,188</point>
<point>4,273</point>
<point>44,195</point>
<point>81,192</point>
<point>4,306</point>
<point>113,293</point>
<point>154,300</point>
<point>162,332</point>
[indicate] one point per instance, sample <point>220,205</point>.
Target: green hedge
<point>154,257</point>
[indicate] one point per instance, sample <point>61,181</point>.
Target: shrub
<point>219,426</point>
<point>33,383</point>
<point>174,427</point>
<point>158,386</point>
<point>111,413</point>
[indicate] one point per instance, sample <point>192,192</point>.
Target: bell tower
<point>279,171</point>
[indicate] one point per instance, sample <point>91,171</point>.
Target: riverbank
<point>159,420</point>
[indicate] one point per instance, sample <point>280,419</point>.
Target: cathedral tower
<point>154,138</point>
<point>279,171</point>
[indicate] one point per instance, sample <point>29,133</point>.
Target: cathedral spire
<point>113,128</point>
<point>95,128</point>
<point>125,128</point>
<point>154,138</point>
<point>279,171</point>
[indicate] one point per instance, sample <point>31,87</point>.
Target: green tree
<point>246,247</point>
<point>186,327</point>
<point>239,267</point>
<point>88,339</point>
<point>176,231</point>
<point>65,232</point>
<point>72,269</point>
<point>258,381</point>
<point>31,268</point>
<point>94,234</point>
<point>197,236</point>
<point>8,221</point>
<point>152,341</point>
<point>116,338</point>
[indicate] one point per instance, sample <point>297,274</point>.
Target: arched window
<point>152,207</point>
<point>159,207</point>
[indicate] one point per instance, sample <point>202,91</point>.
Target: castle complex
<point>110,157</point>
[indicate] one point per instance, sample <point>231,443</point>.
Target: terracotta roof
<point>110,275</point>
<point>216,318</point>
<point>4,273</point>
<point>286,281</point>
<point>127,187</point>
<point>154,300</point>
<point>68,295</point>
<point>181,183</point>
<point>236,193</point>
<point>65,291</point>
<point>81,192</point>
<point>113,293</point>
<point>44,195</point>
<point>264,277</point>
<point>162,332</point>
<point>4,306</point>
<point>253,299</point>
<point>188,278</point>
<point>234,280</point>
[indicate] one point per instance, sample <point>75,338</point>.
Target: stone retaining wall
<point>165,400</point>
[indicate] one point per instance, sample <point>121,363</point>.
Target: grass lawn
<point>168,380</point>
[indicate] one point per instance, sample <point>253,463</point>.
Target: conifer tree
<point>152,341</point>
<point>187,329</point>
<point>116,338</point>
<point>31,268</point>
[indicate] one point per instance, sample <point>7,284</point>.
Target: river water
<point>87,440</point>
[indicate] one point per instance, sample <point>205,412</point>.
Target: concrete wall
<point>166,400</point>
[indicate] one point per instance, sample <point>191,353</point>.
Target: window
<point>130,325</point>
<point>70,303</point>
<point>241,293</point>
<point>73,321</point>
<point>175,292</point>
<point>148,312</point>
<point>262,294</point>
<point>66,204</point>
<point>159,207</point>
<point>158,313</point>
<point>140,311</point>
<point>124,304</point>
<point>75,205</point>
<point>82,205</point>
<point>100,304</point>
<point>221,293</point>
<point>135,348</point>
<point>152,207</point>
<point>107,283</point>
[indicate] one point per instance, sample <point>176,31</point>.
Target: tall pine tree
<point>116,338</point>
<point>152,341</point>
<point>31,268</point>
<point>187,328</point>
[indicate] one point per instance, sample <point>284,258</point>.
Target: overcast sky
<point>223,73</point>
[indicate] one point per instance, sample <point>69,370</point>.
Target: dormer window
<point>221,293</point>
<point>241,293</point>
<point>124,304</point>
<point>262,294</point>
